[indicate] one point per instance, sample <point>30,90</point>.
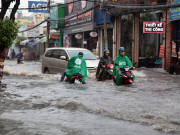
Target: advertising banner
<point>174,12</point>
<point>54,15</point>
<point>34,32</point>
<point>174,54</point>
<point>161,51</point>
<point>37,5</point>
<point>74,8</point>
<point>154,27</point>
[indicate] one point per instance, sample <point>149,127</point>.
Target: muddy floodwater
<point>35,104</point>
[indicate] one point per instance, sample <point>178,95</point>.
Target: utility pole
<point>48,23</point>
<point>105,26</point>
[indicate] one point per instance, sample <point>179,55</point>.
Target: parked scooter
<point>107,73</point>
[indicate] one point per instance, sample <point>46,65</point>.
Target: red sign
<point>66,37</point>
<point>78,36</point>
<point>154,27</point>
<point>30,24</point>
<point>161,51</point>
<point>54,35</point>
<point>174,54</point>
<point>70,6</point>
<point>93,34</point>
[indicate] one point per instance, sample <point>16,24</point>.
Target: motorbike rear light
<point>111,66</point>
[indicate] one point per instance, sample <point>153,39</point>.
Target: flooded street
<point>37,104</point>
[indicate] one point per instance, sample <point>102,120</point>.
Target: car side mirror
<point>63,58</point>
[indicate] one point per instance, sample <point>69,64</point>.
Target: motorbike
<point>19,61</point>
<point>107,73</point>
<point>126,75</point>
<point>77,78</point>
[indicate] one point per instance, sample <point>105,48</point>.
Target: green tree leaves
<point>8,33</point>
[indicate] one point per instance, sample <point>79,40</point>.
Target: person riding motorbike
<point>76,65</point>
<point>121,61</point>
<point>104,61</point>
<point>19,57</point>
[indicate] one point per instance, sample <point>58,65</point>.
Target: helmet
<point>121,49</point>
<point>106,51</point>
<point>80,54</point>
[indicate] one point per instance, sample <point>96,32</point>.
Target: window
<point>63,53</point>
<point>87,54</point>
<point>55,54</point>
<point>48,53</point>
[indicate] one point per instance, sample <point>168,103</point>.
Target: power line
<point>57,5</point>
<point>66,18</point>
<point>143,7</point>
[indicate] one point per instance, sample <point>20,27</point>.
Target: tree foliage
<point>8,28</point>
<point>8,33</point>
<point>19,39</point>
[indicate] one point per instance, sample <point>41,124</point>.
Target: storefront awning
<point>24,42</point>
<point>42,40</point>
<point>32,43</point>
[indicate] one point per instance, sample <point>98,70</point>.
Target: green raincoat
<point>122,61</point>
<point>76,65</point>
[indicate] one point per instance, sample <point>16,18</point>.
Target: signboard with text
<point>174,53</point>
<point>154,27</point>
<point>37,6</point>
<point>34,32</point>
<point>175,12</point>
<point>161,51</point>
<point>74,8</point>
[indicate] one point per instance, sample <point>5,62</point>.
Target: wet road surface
<point>36,104</point>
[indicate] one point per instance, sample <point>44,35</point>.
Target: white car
<point>55,60</point>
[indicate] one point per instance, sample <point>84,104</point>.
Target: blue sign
<point>100,17</point>
<point>38,6</point>
<point>175,12</point>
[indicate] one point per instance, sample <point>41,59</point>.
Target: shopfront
<point>79,31</point>
<point>175,21</point>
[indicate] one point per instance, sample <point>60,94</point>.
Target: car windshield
<point>87,54</point>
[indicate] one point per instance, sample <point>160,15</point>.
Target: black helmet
<point>80,54</point>
<point>121,49</point>
<point>106,51</point>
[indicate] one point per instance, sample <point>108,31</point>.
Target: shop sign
<point>30,24</point>
<point>84,42</point>
<point>93,34</point>
<point>66,37</point>
<point>70,6</point>
<point>54,35</point>
<point>154,27</point>
<point>36,6</point>
<point>78,36</point>
<point>33,33</point>
<point>161,51</point>
<point>175,12</point>
<point>75,8</point>
<point>174,54</point>
<point>39,18</point>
